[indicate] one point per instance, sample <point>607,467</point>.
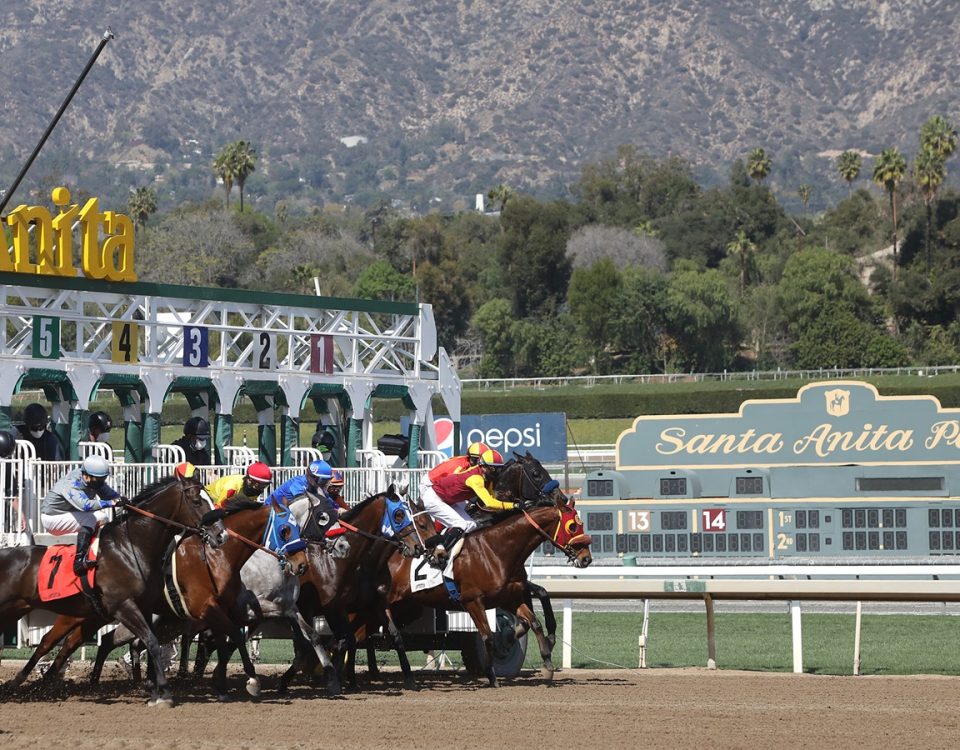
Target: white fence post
<point>797,636</point>
<point>567,654</point>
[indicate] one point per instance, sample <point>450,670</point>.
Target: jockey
<point>77,503</point>
<point>447,499</point>
<point>335,491</point>
<point>248,486</point>
<point>314,483</point>
<point>452,465</point>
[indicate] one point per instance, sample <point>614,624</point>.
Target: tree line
<point>642,270</point>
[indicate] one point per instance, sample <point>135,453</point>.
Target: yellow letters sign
<point>109,260</point>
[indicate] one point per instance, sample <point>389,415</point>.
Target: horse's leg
<point>186,638</point>
<point>346,647</point>
<point>62,626</point>
<point>224,650</point>
<point>129,614</point>
<point>548,617</point>
<point>528,619</point>
<point>203,653</point>
<point>408,681</point>
<point>310,639</point>
<point>220,621</point>
<point>478,613</point>
<point>107,644</point>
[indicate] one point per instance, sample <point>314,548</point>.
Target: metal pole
<point>107,36</point>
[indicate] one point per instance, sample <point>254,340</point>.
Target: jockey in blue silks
<point>314,483</point>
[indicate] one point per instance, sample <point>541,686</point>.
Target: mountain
<point>448,98</point>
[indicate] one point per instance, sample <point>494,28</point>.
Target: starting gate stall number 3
<point>196,346</point>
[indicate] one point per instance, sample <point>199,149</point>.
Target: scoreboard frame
<point>839,473</point>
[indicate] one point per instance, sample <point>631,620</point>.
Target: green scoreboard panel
<point>838,472</point>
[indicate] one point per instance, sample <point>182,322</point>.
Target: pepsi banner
<point>544,434</point>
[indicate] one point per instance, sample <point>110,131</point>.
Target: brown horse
<point>207,590</point>
<point>489,569</point>
<point>334,588</point>
<point>128,575</point>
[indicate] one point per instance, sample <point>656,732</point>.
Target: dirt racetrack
<point>589,709</point>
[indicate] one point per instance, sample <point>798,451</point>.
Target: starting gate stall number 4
<point>837,472</point>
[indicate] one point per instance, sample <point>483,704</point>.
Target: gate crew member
<point>77,503</point>
<point>248,486</point>
<point>196,435</point>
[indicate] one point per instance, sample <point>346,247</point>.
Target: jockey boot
<point>80,563</point>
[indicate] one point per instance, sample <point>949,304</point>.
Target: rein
<point>368,535</point>
<point>167,521</point>
<point>251,543</point>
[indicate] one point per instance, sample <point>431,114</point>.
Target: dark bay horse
<point>378,528</point>
<point>207,587</point>
<point>128,578</point>
<point>489,569</point>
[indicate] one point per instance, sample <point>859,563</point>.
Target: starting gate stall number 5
<point>46,337</point>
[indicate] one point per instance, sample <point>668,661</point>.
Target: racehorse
<point>207,586</point>
<point>489,569</point>
<point>377,529</point>
<point>127,579</point>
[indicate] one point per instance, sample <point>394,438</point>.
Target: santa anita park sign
<point>845,422</point>
<point>43,243</point>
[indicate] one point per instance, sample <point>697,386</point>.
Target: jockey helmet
<point>100,422</point>
<point>95,466</point>
<point>186,470</point>
<point>7,444</point>
<point>196,426</point>
<point>491,458</point>
<point>35,417</point>
<point>476,450</point>
<point>321,470</point>
<point>259,472</point>
<point>337,479</point>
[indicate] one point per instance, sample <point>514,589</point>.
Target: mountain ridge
<point>455,97</point>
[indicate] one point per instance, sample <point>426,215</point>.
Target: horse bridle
<point>542,494</point>
<point>381,538</point>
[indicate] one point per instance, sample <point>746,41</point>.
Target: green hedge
<point>605,402</point>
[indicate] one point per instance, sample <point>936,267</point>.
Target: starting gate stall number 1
<point>837,472</point>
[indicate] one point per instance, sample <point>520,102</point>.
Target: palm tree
<point>743,249</point>
<point>223,168</point>
<point>888,171</point>
<point>758,165</point>
<point>804,192</point>
<point>939,135</point>
<point>929,174</point>
<point>141,203</point>
<point>848,165</point>
<point>243,158</point>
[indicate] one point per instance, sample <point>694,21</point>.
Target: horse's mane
<point>356,509</point>
<point>228,509</point>
<point>152,489</point>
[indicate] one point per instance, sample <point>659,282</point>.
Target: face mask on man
<point>103,437</point>
<point>199,443</point>
<point>37,433</point>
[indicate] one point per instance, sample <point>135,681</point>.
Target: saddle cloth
<point>55,577</point>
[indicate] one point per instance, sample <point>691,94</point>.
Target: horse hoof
<point>547,672</point>
<point>223,698</point>
<point>253,687</point>
<point>160,703</point>
<point>410,684</point>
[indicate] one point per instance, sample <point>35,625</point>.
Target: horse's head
<point>282,535</point>
<point>570,536</point>
<point>399,524</point>
<point>523,480</point>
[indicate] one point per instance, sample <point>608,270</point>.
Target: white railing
<point>823,373</point>
<point>792,583</point>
